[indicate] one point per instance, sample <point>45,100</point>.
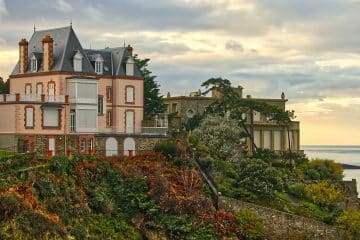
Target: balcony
<point>154,130</point>
<point>36,98</point>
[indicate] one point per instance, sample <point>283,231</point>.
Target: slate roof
<point>66,44</point>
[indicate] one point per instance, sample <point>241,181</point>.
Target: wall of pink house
<point>38,129</point>
<point>7,119</point>
<point>17,85</point>
<point>137,121</point>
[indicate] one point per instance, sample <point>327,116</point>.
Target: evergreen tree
<point>4,86</point>
<point>153,102</point>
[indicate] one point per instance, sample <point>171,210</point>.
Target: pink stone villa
<point>68,100</point>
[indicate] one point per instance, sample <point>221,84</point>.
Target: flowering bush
<point>222,136</point>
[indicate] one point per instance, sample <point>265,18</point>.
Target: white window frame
<point>29,115</point>
<point>72,121</point>
<point>33,63</point>
<point>130,94</point>
<point>44,116</point>
<point>77,61</point>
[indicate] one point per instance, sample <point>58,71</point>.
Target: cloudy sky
<point>310,49</point>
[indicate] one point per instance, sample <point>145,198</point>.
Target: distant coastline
<point>348,166</point>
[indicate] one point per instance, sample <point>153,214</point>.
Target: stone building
<point>267,135</point>
<point>65,99</point>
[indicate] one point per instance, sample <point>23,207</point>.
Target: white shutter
<point>51,117</point>
<point>51,146</point>
<point>104,106</point>
<point>129,122</point>
<point>29,117</point>
<point>39,89</point>
<point>51,89</point>
<point>28,89</point>
<point>129,94</point>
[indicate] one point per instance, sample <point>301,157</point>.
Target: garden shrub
<point>250,226</point>
<point>10,205</point>
<point>256,176</point>
<point>38,226</point>
<point>326,169</point>
<point>266,155</point>
<point>60,165</point>
<point>349,222</point>
<point>323,193</point>
<point>296,189</point>
<point>167,148</point>
<point>45,188</point>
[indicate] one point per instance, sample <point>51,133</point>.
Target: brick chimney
<point>130,50</point>
<point>47,44</point>
<point>23,55</point>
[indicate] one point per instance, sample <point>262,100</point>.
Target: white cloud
<point>63,6</point>
<point>3,10</point>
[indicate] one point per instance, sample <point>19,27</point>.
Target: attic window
<point>34,67</point>
<point>78,57</point>
<point>99,65</point>
<point>130,67</point>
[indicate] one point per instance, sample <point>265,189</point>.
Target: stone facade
<point>267,135</point>
<point>280,225</point>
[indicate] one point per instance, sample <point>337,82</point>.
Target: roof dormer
<point>99,65</point>
<point>130,66</point>
<point>33,63</point>
<point>78,59</point>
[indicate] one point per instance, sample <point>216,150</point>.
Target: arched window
<point>129,147</point>
<point>111,146</point>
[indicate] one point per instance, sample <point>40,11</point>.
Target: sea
<point>338,153</point>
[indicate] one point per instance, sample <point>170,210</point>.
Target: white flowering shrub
<point>222,136</point>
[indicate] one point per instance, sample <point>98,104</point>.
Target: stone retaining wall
<point>281,225</point>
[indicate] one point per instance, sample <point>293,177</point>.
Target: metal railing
<point>154,130</point>
<point>4,98</point>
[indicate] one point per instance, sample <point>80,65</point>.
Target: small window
<point>109,94</point>
<point>28,89</point>
<point>109,118</point>
<point>82,145</point>
<point>90,144</point>
<point>33,64</point>
<point>99,65</point>
<point>29,117</point>
<point>39,88</point>
<point>129,94</point>
<point>51,88</point>
<point>72,121</point>
<point>174,107</point>
<point>100,105</point>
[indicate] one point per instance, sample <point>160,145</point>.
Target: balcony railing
<point>154,130</point>
<point>4,98</point>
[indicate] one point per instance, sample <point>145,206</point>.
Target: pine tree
<point>153,102</point>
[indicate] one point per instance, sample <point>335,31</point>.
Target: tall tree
<point>230,103</point>
<point>4,86</point>
<point>153,101</point>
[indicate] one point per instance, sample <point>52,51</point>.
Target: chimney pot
<point>23,55</point>
<point>130,50</point>
<point>47,44</point>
